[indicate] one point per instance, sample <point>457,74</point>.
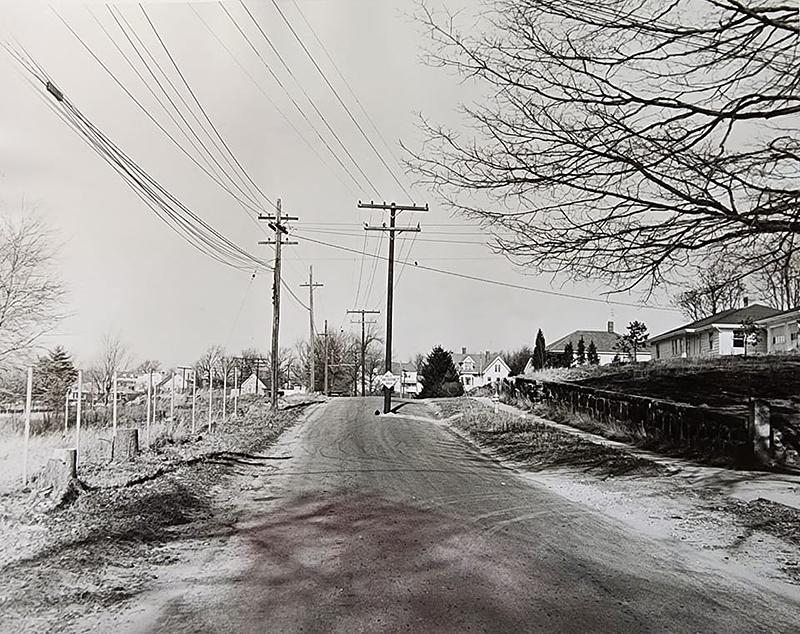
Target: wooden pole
<point>114,407</point>
<point>78,417</point>
<point>224,390</point>
<point>210,397</point>
<point>236,391</point>
<point>66,414</point>
<point>172,400</point>
<point>147,410</point>
<point>194,402</point>
<point>28,394</point>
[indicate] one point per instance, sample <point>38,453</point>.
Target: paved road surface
<point>378,524</point>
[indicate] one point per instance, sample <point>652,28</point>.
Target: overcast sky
<point>129,273</point>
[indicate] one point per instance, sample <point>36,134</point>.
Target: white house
<point>781,331</point>
<point>478,369</point>
<point>720,334</point>
<point>605,341</point>
<point>409,384</point>
<point>251,385</point>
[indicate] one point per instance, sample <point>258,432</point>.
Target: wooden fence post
<point>78,417</point>
<point>28,393</point>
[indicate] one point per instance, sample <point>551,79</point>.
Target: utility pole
<point>363,312</point>
<point>325,381</point>
<point>311,286</point>
<point>276,224</point>
<point>392,230</point>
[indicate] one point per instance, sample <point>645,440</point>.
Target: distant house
<point>720,334</point>
<point>251,385</point>
<point>478,369</point>
<point>606,341</point>
<point>143,379</point>
<point>179,381</point>
<point>409,384</point>
<point>781,331</point>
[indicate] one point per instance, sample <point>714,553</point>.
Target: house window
<point>710,340</point>
<point>779,339</point>
<point>793,336</point>
<point>497,367</point>
<point>738,339</point>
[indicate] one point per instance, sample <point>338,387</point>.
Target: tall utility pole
<point>325,380</point>
<point>276,224</point>
<point>363,312</point>
<point>311,286</point>
<point>392,230</point>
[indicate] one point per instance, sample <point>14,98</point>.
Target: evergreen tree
<point>439,376</point>
<point>569,355</point>
<point>591,354</point>
<point>53,377</point>
<point>539,351</point>
<point>581,352</point>
<point>635,338</point>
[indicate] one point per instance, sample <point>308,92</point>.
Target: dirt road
<point>397,524</point>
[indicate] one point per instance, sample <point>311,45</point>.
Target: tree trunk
<point>125,445</point>
<point>60,470</point>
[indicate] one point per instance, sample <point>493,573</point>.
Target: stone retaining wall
<point>651,421</point>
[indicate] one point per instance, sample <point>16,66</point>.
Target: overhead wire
<point>338,98</point>
<point>266,95</point>
<point>500,282</point>
<point>290,97</point>
<point>147,113</point>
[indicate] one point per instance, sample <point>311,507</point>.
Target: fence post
<point>147,409</point>
<point>78,417</point>
<point>224,391</point>
<point>194,402</point>
<point>66,413</point>
<point>761,431</point>
<point>210,397</point>
<point>114,408</point>
<point>172,400</point>
<point>235,391</point>
<point>28,393</point>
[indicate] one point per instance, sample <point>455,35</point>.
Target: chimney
<point>611,326</point>
<point>486,356</point>
<point>746,301</point>
<point>464,350</point>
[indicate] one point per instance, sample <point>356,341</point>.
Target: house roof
<point>730,317</point>
<point>604,341</point>
<point>399,366</point>
<point>482,361</point>
<point>782,315</point>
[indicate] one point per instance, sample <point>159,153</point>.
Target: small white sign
<point>388,380</point>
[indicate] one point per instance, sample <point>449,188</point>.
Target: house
<point>409,384</point>
<point>606,341</point>
<point>781,331</point>
<point>143,379</point>
<point>720,334</point>
<point>251,385</point>
<point>178,380</point>
<point>478,369</point>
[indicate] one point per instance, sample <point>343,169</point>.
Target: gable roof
<point>481,360</point>
<point>399,366</point>
<point>604,341</point>
<point>782,315</point>
<point>730,317</point>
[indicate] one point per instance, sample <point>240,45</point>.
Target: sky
<point>128,274</point>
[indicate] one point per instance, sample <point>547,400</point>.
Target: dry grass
<point>95,448</point>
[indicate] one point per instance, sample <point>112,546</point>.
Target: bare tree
<point>778,282</point>
<point>621,139</point>
<point>114,357</point>
<point>719,286</point>
<point>31,295</point>
<point>208,362</point>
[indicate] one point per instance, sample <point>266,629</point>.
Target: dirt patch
<point>107,545</point>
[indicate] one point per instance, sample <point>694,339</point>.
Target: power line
<point>498,282</point>
<point>339,99</point>
<point>346,83</point>
<point>270,99</point>
<point>290,97</point>
<point>147,113</point>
